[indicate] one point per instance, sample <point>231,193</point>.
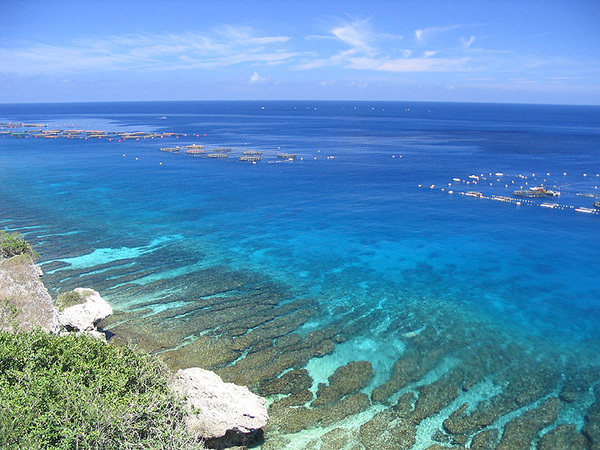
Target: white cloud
<point>467,42</point>
<point>356,35</point>
<point>425,35</point>
<point>370,50</point>
<point>245,36</point>
<point>410,64</point>
<point>169,51</point>
<point>256,78</point>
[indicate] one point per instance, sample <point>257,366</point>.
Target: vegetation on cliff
<point>13,244</point>
<point>76,392</point>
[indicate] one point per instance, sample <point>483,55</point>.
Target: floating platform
<point>286,155</point>
<point>195,150</point>
<point>250,158</point>
<point>587,210</point>
<point>536,192</point>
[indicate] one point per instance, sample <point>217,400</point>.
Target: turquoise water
<point>360,222</point>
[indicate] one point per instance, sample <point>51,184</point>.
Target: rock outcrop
<point>25,301</point>
<point>84,316</point>
<point>222,414</point>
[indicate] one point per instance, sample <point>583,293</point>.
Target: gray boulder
<point>84,315</point>
<point>222,414</point>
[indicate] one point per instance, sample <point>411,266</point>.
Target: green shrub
<point>76,392</point>
<point>12,244</point>
<point>71,298</point>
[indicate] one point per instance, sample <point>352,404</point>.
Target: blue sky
<point>473,51</point>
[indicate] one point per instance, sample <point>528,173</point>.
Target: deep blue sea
<point>370,217</point>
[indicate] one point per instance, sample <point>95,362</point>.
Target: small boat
<point>474,194</point>
<point>549,205</point>
<point>596,204</point>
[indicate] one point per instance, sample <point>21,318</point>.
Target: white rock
<point>217,409</point>
<point>85,316</point>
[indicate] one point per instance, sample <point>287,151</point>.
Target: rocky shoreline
<point>222,415</point>
<point>457,382</point>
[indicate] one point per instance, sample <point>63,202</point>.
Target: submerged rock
<point>485,440</point>
<point>563,436</point>
<point>387,431</point>
<point>222,414</point>
<point>591,429</point>
<point>346,380</point>
<point>291,382</point>
<point>84,316</point>
<point>522,430</point>
<point>293,420</point>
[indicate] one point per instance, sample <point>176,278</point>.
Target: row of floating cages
<point>21,124</point>
<point>79,133</point>
<point>250,158</point>
<point>223,153</point>
<point>194,149</point>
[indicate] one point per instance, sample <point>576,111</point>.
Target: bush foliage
<point>76,392</point>
<point>70,298</point>
<point>12,244</point>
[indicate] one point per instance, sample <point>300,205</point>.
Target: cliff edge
<point>222,415</point>
<point>25,303</point>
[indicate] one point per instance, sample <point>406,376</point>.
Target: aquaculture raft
<point>535,192</point>
<point>286,155</point>
<point>250,158</point>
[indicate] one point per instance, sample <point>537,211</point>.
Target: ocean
<point>369,273</point>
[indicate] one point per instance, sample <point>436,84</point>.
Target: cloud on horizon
<point>364,51</point>
<point>346,45</point>
<point>228,46</point>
